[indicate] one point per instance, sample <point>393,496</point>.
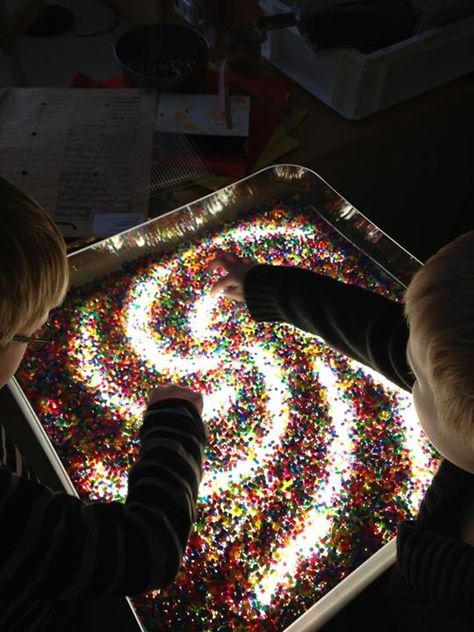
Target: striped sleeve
<point>62,548</point>
<point>11,458</point>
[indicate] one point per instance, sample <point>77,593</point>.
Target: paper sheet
<point>198,114</point>
<point>79,152</point>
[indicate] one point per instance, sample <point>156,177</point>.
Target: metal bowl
<point>168,57</point>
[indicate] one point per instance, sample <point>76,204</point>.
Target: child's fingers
<point>176,391</point>
<point>219,262</point>
<point>228,256</point>
<point>222,284</point>
<point>226,259</point>
<point>234,292</point>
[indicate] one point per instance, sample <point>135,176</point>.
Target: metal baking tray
<point>304,213</point>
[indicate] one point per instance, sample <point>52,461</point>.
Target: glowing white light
<point>200,316</point>
<point>153,350</point>
<point>143,341</point>
<point>219,401</point>
<point>150,349</point>
<point>103,485</point>
<point>93,376</point>
<point>413,437</point>
<point>277,416</point>
<point>260,232</point>
<point>317,521</point>
<point>420,459</point>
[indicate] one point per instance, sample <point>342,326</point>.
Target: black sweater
<point>432,585</point>
<point>57,549</point>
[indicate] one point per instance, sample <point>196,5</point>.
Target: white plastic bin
<point>355,84</point>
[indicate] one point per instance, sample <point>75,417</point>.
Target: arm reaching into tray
<point>357,322</point>
<point>61,548</point>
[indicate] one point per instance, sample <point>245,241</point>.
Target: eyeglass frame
<point>42,342</point>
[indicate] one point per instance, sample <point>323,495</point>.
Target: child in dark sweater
<point>426,346</point>
<point>55,549</point>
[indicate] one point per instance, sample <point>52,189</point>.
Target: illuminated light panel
<point>313,458</point>
<point>317,521</point>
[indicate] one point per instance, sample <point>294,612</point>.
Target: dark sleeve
<point>438,568</point>
<point>357,322</point>
<point>431,586</point>
<point>445,499</point>
<point>62,548</point>
<point>432,582</point>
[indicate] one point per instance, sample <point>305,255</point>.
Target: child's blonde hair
<point>33,263</point>
<point>439,305</point>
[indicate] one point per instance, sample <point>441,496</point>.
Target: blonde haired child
<point>431,587</point>
<point>55,549</point>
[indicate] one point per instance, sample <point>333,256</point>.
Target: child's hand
<point>233,283</point>
<point>173,391</point>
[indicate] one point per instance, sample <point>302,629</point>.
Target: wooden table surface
<point>408,168</point>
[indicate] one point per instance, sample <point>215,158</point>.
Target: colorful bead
<point>312,461</point>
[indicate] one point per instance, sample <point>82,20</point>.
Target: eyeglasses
<point>45,337</point>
